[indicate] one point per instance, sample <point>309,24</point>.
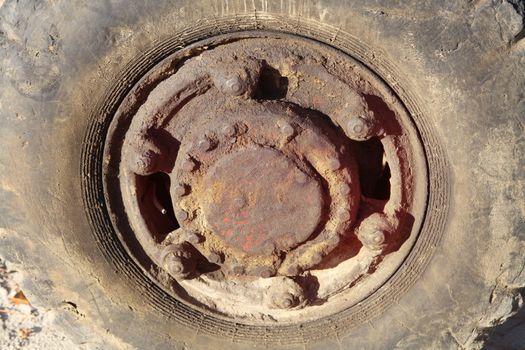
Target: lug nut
<point>178,261</point>
<point>204,144</point>
<point>239,203</point>
<point>238,269</point>
<point>145,163</point>
<point>378,237</point>
<point>343,214</point>
<point>359,129</point>
<point>194,238</point>
<point>180,190</point>
<point>234,86</point>
<point>285,301</point>
<point>215,258</point>
<point>285,293</point>
<point>344,189</point>
<point>301,178</point>
<point>181,214</point>
<point>287,130</point>
<point>334,164</point>
<point>188,164</point>
<point>229,130</point>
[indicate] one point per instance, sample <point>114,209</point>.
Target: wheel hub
<point>271,163</point>
<point>260,203</point>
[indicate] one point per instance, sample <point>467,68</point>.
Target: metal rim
<point>107,232</point>
<point>283,293</point>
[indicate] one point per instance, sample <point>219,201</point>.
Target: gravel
<point>23,325</point>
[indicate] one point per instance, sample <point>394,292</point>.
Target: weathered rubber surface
<point>465,61</point>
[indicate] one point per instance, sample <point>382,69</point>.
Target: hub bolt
<point>334,164</point>
<point>229,130</point>
<point>204,144</point>
<point>182,214</point>
<point>234,86</point>
<point>359,129</point>
<point>284,293</point>
<point>188,164</point>
<point>180,190</point>
<point>178,261</point>
<point>344,189</point>
<point>287,130</point>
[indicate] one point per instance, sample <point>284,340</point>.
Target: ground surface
<point>22,325</point>
<point>25,326</point>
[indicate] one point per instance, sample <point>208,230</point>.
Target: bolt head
<point>378,237</point>
<point>287,130</point>
<point>334,164</point>
<point>285,301</point>
<point>181,214</point>
<point>229,130</point>
<point>301,178</point>
<point>345,189</point>
<point>343,214</point>
<point>194,238</point>
<point>145,163</point>
<point>188,164</point>
<point>177,261</point>
<point>359,129</point>
<point>204,144</point>
<point>239,203</point>
<point>234,86</point>
<point>238,270</point>
<point>215,258</point>
<point>180,190</point>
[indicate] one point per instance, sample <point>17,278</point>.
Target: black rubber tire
<point>460,63</point>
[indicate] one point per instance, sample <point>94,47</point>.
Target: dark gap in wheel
<point>155,204</point>
<point>272,85</point>
<point>374,171</point>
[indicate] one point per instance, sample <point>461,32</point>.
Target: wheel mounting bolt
<point>229,130</point>
<point>286,301</point>
<point>188,165</point>
<point>234,86</point>
<point>180,190</point>
<point>178,261</point>
<point>301,178</point>
<point>343,215</point>
<point>182,215</point>
<point>334,164</point>
<point>359,129</point>
<point>204,144</point>
<point>215,258</point>
<point>287,130</point>
<point>344,189</point>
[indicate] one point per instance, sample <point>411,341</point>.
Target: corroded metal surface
<point>271,151</point>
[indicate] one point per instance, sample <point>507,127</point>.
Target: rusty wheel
<point>265,174</point>
<point>267,171</point>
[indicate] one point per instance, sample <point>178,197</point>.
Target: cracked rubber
<point>462,63</point>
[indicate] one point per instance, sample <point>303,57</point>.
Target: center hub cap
<point>260,202</point>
